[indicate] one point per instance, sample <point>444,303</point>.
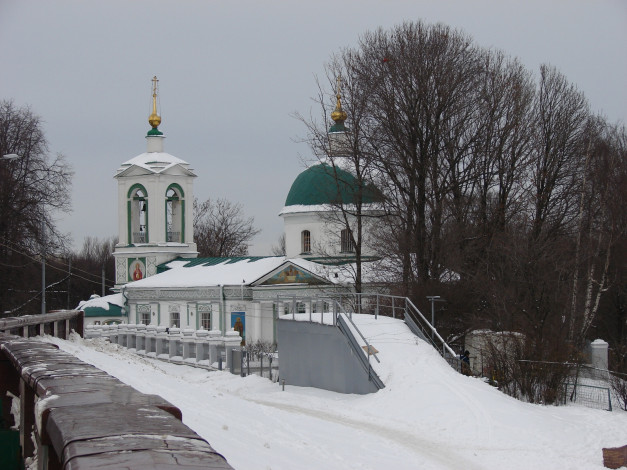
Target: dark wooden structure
<point>83,418</point>
<point>615,457</point>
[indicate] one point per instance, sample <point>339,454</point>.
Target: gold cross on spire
<point>154,119</point>
<point>339,115</point>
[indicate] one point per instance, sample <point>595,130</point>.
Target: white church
<point>161,281</point>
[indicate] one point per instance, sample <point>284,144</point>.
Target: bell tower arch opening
<point>175,214</point>
<point>137,214</point>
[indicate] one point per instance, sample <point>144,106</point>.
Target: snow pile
<point>427,417</point>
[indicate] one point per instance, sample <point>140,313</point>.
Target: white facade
<point>155,212</point>
<point>325,225</point>
<point>210,296</point>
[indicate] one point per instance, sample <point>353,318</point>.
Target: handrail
<point>433,330</point>
<point>29,320</point>
<point>411,312</point>
<point>365,361</point>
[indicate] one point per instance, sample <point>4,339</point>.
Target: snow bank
<point>427,417</point>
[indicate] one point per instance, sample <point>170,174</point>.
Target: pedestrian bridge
<point>74,416</point>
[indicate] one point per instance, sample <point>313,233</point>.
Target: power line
<point>51,261</point>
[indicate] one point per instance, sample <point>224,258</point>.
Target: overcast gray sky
<point>233,72</point>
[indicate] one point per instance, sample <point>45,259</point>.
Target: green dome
<point>323,184</point>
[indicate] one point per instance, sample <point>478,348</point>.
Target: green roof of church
<point>211,261</point>
<point>323,184</point>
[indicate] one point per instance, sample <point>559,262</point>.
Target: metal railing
<point>374,304</point>
<point>339,314</point>
<point>56,323</point>
<point>174,237</point>
<point>139,237</point>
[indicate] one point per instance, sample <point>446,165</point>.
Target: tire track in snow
<point>436,452</point>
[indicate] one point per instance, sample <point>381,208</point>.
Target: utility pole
<point>103,281</point>
<point>69,280</point>
<point>43,265</point>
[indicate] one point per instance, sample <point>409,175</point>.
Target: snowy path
<point>427,417</point>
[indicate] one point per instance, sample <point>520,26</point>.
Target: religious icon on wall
<point>136,269</point>
<point>238,323</point>
<point>292,275</point>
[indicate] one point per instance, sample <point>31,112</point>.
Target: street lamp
<point>433,299</point>
<point>11,156</point>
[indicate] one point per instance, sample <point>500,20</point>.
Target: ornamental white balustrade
<point>176,347</point>
<point>195,347</point>
<point>140,339</point>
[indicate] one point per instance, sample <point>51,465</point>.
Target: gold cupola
<point>338,115</point>
<point>154,119</point>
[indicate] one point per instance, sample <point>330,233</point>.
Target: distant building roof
<point>107,306</point>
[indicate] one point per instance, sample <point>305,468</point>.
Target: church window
<point>175,320</point>
<point>137,214</point>
<point>145,318</point>
<point>205,320</point>
<point>204,315</point>
<point>306,241</point>
<point>175,218</point>
<point>347,241</point>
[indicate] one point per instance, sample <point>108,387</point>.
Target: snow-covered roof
<point>212,272</point>
<point>230,271</point>
<point>154,162</point>
<point>102,302</point>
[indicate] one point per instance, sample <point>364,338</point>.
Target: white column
<point>599,354</point>
<point>256,333</point>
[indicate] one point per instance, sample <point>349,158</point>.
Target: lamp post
<point>433,299</point>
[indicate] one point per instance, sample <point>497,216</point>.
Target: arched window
<point>137,210</point>
<point>347,242</point>
<point>175,214</point>
<point>305,238</point>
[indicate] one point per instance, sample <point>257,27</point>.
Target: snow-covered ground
<point>427,417</point>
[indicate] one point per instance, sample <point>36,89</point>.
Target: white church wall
<point>325,233</point>
<point>320,234</point>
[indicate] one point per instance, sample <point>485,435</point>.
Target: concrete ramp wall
<point>315,355</point>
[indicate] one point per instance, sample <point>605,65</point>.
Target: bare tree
<point>92,265</point>
<point>561,112</point>
<point>279,248</point>
<point>221,230</point>
<point>419,86</point>
<point>601,221</point>
<point>32,188</point>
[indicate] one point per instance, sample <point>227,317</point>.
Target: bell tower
<point>155,203</point>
